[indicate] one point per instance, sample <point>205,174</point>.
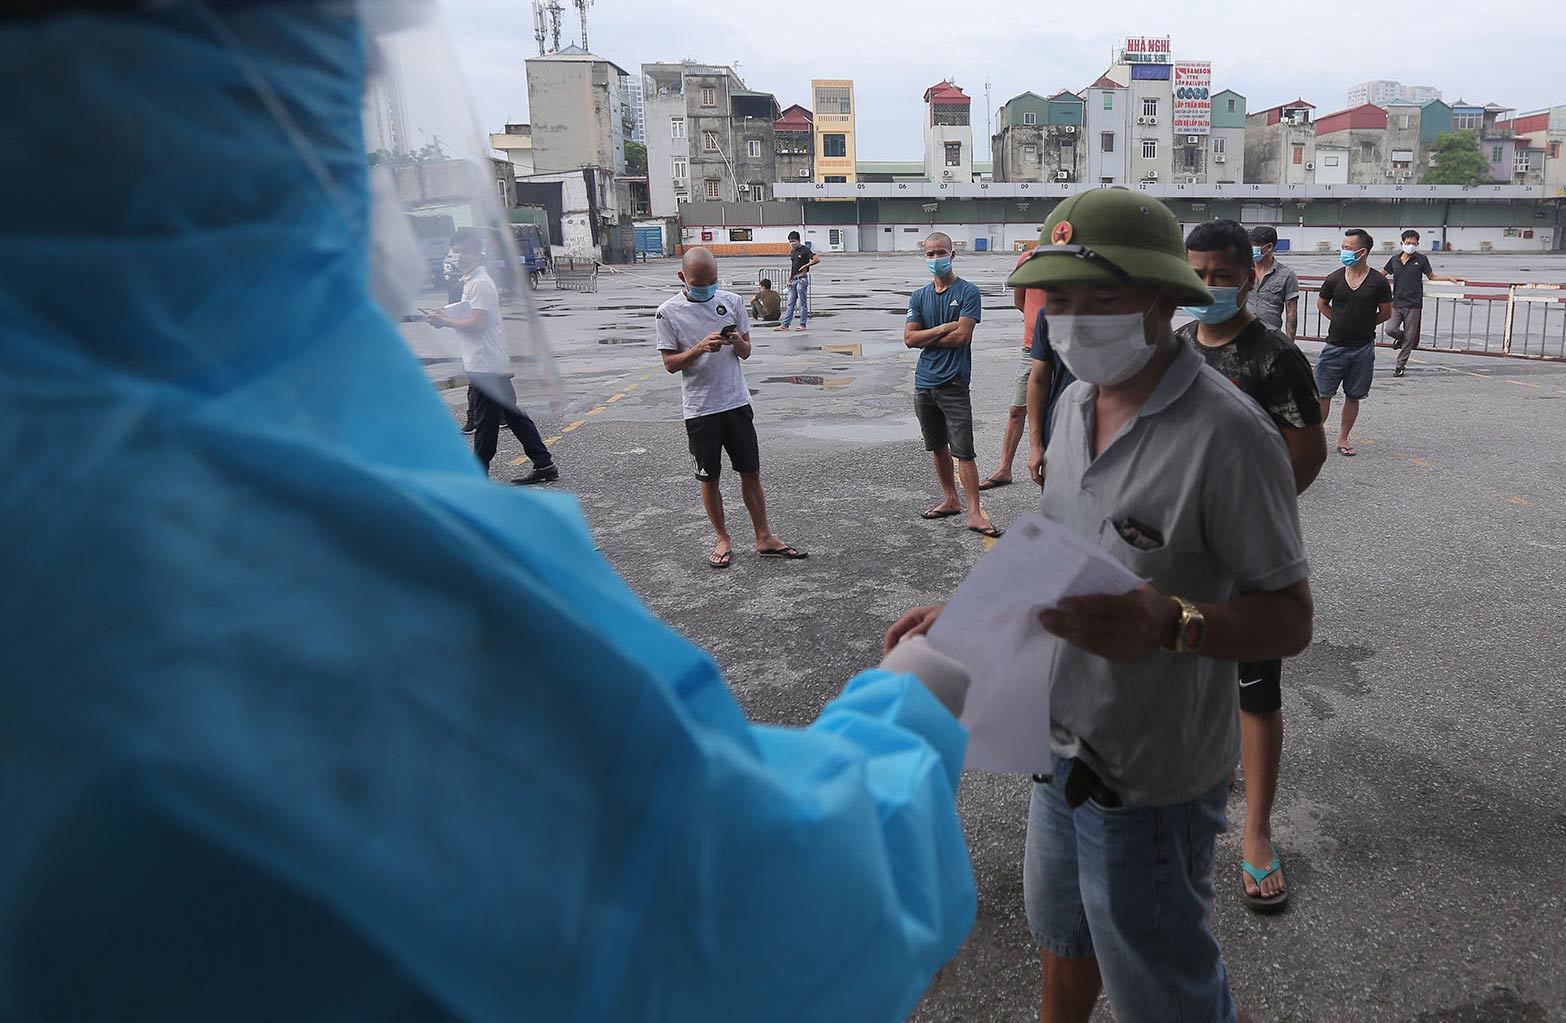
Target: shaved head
<point>699,267</point>
<point>938,241</point>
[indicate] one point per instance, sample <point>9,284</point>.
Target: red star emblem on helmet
<point>1062,233</point>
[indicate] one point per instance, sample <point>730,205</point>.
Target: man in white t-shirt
<point>486,357</point>
<point>703,334</point>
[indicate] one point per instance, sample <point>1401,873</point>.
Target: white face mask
<point>1410,248</point>
<point>1104,350</point>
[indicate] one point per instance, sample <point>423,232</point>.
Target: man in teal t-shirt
<point>941,318</point>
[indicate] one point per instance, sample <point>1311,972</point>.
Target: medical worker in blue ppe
<point>301,719</point>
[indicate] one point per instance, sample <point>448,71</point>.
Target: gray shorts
<point>1353,369</point>
<point>1020,399</point>
<point>946,418</point>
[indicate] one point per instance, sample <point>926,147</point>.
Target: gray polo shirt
<point>1277,289</point>
<point>1204,467</point>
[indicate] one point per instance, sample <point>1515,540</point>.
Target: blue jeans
<point>1132,886</point>
<point>798,295</point>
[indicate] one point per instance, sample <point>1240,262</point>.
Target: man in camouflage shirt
<point>1264,363</point>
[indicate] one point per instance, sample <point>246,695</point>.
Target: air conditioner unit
<point>744,190</point>
<point>677,182</point>
<point>946,175</point>
<point>1070,129</point>
<point>804,172</point>
<point>1152,175</point>
<point>1220,158</point>
<point>1062,175</point>
<point>1152,120</point>
<point>1309,165</point>
<point>1141,120</point>
<point>1193,140</point>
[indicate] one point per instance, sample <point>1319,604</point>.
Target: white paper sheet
<point>991,626</point>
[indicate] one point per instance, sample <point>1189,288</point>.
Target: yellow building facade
<point>833,110</point>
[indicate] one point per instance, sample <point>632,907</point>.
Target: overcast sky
<point>1506,51</point>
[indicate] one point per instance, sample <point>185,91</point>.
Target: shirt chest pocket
<point>1152,549</point>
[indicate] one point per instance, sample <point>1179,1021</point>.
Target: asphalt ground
<point>1422,810</point>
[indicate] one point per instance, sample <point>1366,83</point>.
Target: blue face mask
<point>1255,253</point>
<point>1348,257</point>
<point>940,267</point>
<point>700,293</point>
<point>1226,305</point>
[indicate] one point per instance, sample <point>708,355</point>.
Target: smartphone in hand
<point>728,333</point>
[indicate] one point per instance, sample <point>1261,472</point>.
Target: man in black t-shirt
<point>800,260</point>
<point>1407,271</point>
<point>1266,365</point>
<point>1356,301</point>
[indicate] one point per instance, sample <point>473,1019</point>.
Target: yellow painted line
<point>1521,502</point>
<point>1521,383</point>
<point>575,426</point>
<point>989,541</point>
<point>631,387</point>
<point>1419,462</point>
<point>596,411</point>
<point>647,376</point>
<point>550,442</point>
<point>613,398</point>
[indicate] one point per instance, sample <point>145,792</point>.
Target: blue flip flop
<point>1264,903</point>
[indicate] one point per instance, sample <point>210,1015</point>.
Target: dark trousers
<point>1406,317</point>
<point>496,402</point>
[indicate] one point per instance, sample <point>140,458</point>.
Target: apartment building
<point>794,133</point>
<point>832,118</point>
<point>1280,145</point>
<point>578,112</point>
<point>1545,134</point>
<point>1040,139</point>
<point>708,136</point>
<point>948,133</point>
<point>1107,103</point>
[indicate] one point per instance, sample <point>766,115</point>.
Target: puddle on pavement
<point>623,341</point>
<point>855,350</point>
<point>831,383</point>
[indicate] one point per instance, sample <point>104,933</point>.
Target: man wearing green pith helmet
<point>1175,473</point>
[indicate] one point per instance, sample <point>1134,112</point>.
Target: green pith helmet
<point>1093,233</point>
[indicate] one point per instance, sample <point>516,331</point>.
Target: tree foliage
<point>636,159</point>
<point>1458,160</point>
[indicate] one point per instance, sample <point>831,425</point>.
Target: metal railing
<point>1520,321</point>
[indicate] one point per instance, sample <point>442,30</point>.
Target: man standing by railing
<point>1407,271</point>
<point>800,259</point>
<point>1275,300</point>
<point>1356,301</point>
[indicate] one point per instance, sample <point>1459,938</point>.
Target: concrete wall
<point>661,146</point>
<point>1099,165</point>
<point>1332,164</point>
<point>761,170</point>
<point>1231,169</point>
<point>789,164</point>
<point>936,136</point>
<point>577,114</point>
<point>700,118</point>
<point>1269,152</point>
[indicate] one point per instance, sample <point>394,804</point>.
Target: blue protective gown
<point>300,717</point>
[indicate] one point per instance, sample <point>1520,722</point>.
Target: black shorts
<point>733,431</point>
<point>945,415</point>
<point>1261,686</point>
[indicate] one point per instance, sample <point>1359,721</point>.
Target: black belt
<point>1082,784</point>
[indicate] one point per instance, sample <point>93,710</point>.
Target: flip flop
<point>1264,903</point>
<point>933,514</point>
<point>994,484</point>
<point>723,560</point>
<point>1347,452</point>
<point>993,532</point>
<point>785,552</point>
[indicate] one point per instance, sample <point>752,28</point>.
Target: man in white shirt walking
<point>486,357</point>
<point>704,334</point>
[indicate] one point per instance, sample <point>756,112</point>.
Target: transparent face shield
<point>452,261</point>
